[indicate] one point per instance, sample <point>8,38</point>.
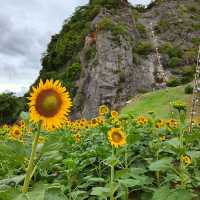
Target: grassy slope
<point>157,101</point>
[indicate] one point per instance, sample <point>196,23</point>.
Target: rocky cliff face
<point>111,77</point>
<point>115,55</point>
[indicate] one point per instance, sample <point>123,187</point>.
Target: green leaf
<point>9,193</point>
<point>174,142</point>
<point>54,193</point>
<point>131,182</point>
<point>194,154</point>
<point>165,193</point>
<point>100,192</point>
<point>38,191</point>
<point>79,195</point>
<point>95,179</point>
<point>161,165</point>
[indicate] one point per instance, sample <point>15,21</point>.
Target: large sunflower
<point>117,137</point>
<point>49,104</point>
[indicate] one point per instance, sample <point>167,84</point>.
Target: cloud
<point>25,30</point>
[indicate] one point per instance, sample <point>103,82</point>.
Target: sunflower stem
<point>112,175</point>
<point>30,169</point>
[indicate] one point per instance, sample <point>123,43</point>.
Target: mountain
<point>106,52</point>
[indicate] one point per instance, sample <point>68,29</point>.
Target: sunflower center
<point>48,103</point>
<point>17,132</point>
<point>117,137</point>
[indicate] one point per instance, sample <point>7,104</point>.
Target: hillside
<point>105,53</point>
<point>158,102</point>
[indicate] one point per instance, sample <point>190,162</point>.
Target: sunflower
<point>77,137</point>
<point>142,120</point>
<point>21,123</point>
<point>100,120</point>
<point>114,114</point>
<point>94,122</point>
<point>49,104</point>
<point>117,137</point>
<point>186,159</point>
<point>5,129</point>
<point>162,138</point>
<point>172,123</point>
<point>160,123</point>
<point>103,110</point>
<point>15,132</point>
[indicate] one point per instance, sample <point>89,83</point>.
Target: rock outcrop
<point>112,76</point>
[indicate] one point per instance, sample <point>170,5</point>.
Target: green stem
<point>70,188</point>
<point>126,167</point>
<point>126,159</point>
<point>112,176</point>
<point>29,172</point>
<point>157,173</point>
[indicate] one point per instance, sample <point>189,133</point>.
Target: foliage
<point>116,28</point>
<point>170,50</point>
<point>140,8</point>
<point>196,41</point>
<point>73,72</point>
<point>188,89</point>
<point>174,62</point>
<point>162,26</point>
<point>143,48</point>
<point>10,108</point>
<point>149,166</point>
<point>173,82</point>
<point>142,30</point>
<point>91,53</point>
<point>109,4</point>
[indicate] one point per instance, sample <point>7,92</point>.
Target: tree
<point>10,108</point>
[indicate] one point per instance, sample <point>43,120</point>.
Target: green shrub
<point>196,41</point>
<point>73,71</point>
<point>90,54</point>
<point>142,30</point>
<point>188,89</point>
<point>140,8</point>
<point>196,26</point>
<point>188,70</point>
<point>108,25</point>
<point>193,8</point>
<point>174,62</point>
<point>109,4</point>
<point>162,26</point>
<point>186,79</point>
<point>173,82</point>
<point>143,48</point>
<point>170,50</point>
<point>10,108</point>
<point>190,55</point>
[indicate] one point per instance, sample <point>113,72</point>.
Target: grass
<point>158,102</point>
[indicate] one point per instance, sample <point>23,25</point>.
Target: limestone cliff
<point>106,53</point>
<point>111,77</point>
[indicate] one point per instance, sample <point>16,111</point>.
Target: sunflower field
<point>47,156</point>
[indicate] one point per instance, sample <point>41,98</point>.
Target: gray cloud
<point>25,30</point>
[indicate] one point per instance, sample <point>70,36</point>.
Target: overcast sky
<point>26,27</point>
